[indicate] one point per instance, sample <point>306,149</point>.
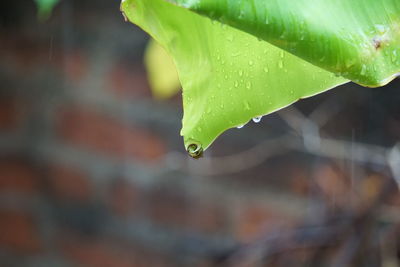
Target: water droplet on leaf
<point>363,69</point>
<point>257,119</point>
<point>248,85</point>
<point>246,105</point>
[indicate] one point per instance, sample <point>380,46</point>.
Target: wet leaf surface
<point>228,76</point>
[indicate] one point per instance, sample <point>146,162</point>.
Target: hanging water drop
<point>195,150</point>
<point>257,119</point>
<point>240,126</point>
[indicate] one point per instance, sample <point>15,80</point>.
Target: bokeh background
<point>93,171</point>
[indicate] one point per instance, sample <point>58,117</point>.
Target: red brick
<point>18,232</point>
<point>175,209</point>
<point>18,176</point>
<point>300,181</point>
<point>125,81</point>
<point>108,253</point>
<point>29,56</point>
<point>253,220</point>
<point>67,182</point>
<point>208,217</point>
<point>22,52</point>
<point>75,66</point>
<point>123,197</point>
<point>11,113</point>
<point>167,207</point>
<point>333,184</point>
<point>107,135</point>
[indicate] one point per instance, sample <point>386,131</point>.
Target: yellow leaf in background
<point>162,75</point>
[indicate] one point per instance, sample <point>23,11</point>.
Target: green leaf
<point>45,7</point>
<point>161,71</point>
<point>228,76</point>
<point>357,39</point>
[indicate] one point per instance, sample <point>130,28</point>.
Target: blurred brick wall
<point>88,167</point>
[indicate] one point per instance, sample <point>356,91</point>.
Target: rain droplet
<point>236,84</point>
<point>363,69</point>
<point>195,150</point>
<point>240,126</point>
<point>266,70</point>
<point>394,55</point>
<point>381,28</point>
<point>240,72</point>
<point>248,85</point>
<point>257,119</point>
<point>251,63</point>
<point>280,64</point>
<point>246,105</point>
